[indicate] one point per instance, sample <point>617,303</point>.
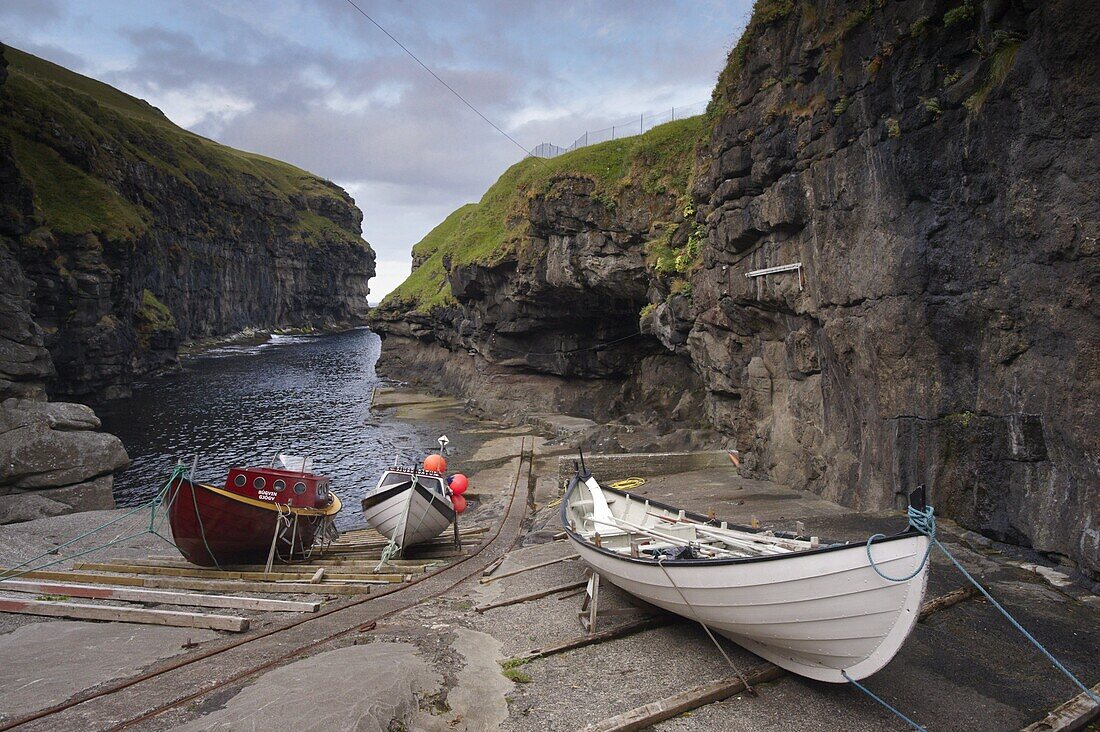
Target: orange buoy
<point>459,484</point>
<point>435,463</point>
<point>459,503</point>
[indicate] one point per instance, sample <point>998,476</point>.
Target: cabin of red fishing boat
<point>292,488</point>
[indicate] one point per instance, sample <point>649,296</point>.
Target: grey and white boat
<point>409,506</point>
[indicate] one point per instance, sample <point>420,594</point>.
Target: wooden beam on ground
<point>945,601</point>
<point>187,583</point>
<point>669,707</point>
<point>587,640</point>
<point>493,566</point>
<point>331,564</point>
<point>418,553</point>
<point>371,534</point>
<point>130,594</point>
<point>659,711</point>
<point>1074,714</point>
<point>288,588</point>
<point>81,611</point>
<point>379,542</point>
<point>540,565</point>
<point>531,596</point>
<point>225,574</point>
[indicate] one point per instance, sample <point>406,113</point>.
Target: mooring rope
<point>736,670</point>
<point>882,701</point>
<point>152,504</point>
<point>924,521</point>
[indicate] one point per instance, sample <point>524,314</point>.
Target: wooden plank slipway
<point>191,583</point>
<point>274,575</point>
<point>82,611</point>
<point>159,597</point>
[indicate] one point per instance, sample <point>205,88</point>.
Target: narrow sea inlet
<point>242,404</point>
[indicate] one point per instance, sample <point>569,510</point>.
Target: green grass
<point>70,200</point>
<point>152,316</point>
<point>77,140</point>
<point>517,676</point>
<point>998,67</point>
<point>486,232</point>
<point>958,15</point>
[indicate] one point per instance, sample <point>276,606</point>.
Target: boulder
<point>36,456</point>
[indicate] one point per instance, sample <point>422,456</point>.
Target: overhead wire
<point>436,76</point>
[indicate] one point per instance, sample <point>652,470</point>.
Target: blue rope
<point>881,701</point>
<point>18,571</point>
<point>925,522</point>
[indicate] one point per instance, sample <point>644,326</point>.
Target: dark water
<point>302,395</point>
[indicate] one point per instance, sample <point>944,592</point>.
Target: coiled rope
<point>924,521</point>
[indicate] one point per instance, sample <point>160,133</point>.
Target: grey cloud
<point>35,11</point>
<point>413,145</point>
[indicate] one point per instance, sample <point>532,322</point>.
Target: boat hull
<point>819,613</point>
<point>408,513</point>
<point>212,527</point>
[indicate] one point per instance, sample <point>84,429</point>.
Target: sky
<point>314,83</point>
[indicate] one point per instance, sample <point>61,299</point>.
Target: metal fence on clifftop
<point>636,126</point>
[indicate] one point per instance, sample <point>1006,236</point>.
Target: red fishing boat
<point>259,515</point>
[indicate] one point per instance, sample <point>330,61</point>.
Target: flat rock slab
<point>47,663</point>
<point>478,702</point>
<point>362,688</point>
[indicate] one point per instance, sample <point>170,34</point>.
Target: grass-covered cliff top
<point>485,232</point>
<point>77,141</point>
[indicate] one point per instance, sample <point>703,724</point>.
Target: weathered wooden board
<point>350,567</point>
<point>341,560</point>
<point>531,596</point>
<point>588,640</point>
<point>671,706</point>
<point>540,565</point>
<point>1073,715</point>
<point>188,583</point>
<point>81,611</point>
<point>304,575</point>
<point>945,601</point>
<point>160,597</point>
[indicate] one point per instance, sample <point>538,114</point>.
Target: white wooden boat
<point>813,608</point>
<point>409,506</point>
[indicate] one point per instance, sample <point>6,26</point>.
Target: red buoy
<point>435,463</point>
<point>459,484</point>
<point>459,503</point>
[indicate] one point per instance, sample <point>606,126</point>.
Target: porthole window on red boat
<point>240,480</point>
<point>279,484</point>
<point>299,488</point>
<point>259,483</point>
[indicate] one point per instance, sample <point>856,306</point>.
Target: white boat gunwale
<point>916,499</point>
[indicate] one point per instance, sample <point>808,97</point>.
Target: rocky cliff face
<point>52,458</point>
<point>138,235</point>
<point>556,299</point>
<point>931,166</point>
<point>122,235</point>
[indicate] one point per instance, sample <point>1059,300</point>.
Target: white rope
<point>737,671</point>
